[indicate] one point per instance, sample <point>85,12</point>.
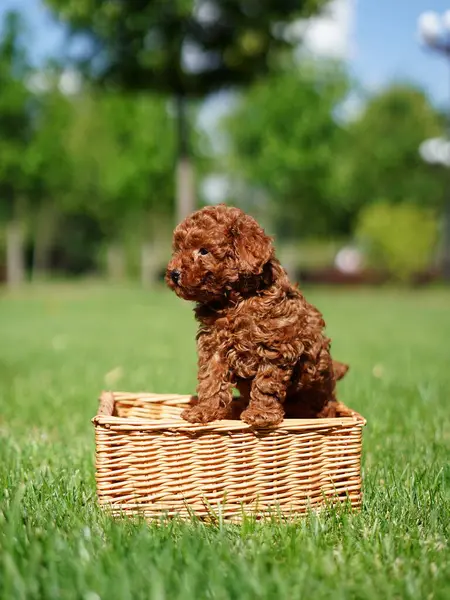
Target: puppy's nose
<point>175,276</point>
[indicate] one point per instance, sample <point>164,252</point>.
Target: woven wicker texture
<point>151,462</point>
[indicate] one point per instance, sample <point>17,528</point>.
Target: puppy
<point>256,330</point>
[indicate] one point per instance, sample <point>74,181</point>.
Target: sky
<point>377,38</point>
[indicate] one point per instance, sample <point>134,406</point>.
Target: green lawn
<point>61,345</point>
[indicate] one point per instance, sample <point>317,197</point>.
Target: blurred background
<point>326,120</point>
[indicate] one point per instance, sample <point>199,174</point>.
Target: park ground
<point>61,344</point>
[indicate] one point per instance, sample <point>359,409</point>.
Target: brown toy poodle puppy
<point>257,332</point>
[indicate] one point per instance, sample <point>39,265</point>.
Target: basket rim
<point>107,400</point>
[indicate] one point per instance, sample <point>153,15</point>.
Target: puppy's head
<point>217,249</point>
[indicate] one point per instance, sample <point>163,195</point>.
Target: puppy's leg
<point>267,395</point>
<point>316,391</point>
<point>213,391</point>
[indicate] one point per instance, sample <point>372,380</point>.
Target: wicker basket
<point>151,462</point>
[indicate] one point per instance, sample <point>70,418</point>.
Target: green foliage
<point>46,163</point>
<point>106,158</point>
<point>182,48</point>
<point>15,118</point>
<point>399,238</point>
<point>61,345</point>
<point>122,150</point>
<point>283,137</point>
<point>144,44</point>
<point>381,156</point>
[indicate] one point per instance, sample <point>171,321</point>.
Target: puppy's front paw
<point>260,418</point>
<point>202,414</point>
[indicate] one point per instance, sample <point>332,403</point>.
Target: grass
<point>61,344</point>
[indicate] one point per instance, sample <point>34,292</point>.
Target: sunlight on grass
<point>62,344</point>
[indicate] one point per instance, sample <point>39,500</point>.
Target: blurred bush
<point>398,238</point>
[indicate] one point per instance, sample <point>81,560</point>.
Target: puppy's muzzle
<point>175,276</point>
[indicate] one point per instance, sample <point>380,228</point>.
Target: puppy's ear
<point>252,247</point>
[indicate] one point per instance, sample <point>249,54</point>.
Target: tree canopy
<point>122,151</point>
<point>317,171</point>
<point>15,116</point>
<point>283,137</point>
<point>183,47</point>
<point>381,159</point>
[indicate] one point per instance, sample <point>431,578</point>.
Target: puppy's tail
<point>340,369</point>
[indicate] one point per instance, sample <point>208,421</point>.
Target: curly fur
<point>257,332</point>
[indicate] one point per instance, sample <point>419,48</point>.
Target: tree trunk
<point>44,236</point>
<point>149,264</point>
<point>115,263</point>
<point>15,254</point>
<point>185,189</point>
<point>155,247</point>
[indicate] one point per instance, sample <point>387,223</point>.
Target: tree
<point>381,160</point>
<point>283,138</point>
<point>185,48</point>
<point>381,157</point>
<point>121,149</point>
<point>15,131</point>
<point>48,167</point>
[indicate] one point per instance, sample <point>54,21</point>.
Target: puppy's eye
<point>203,251</point>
